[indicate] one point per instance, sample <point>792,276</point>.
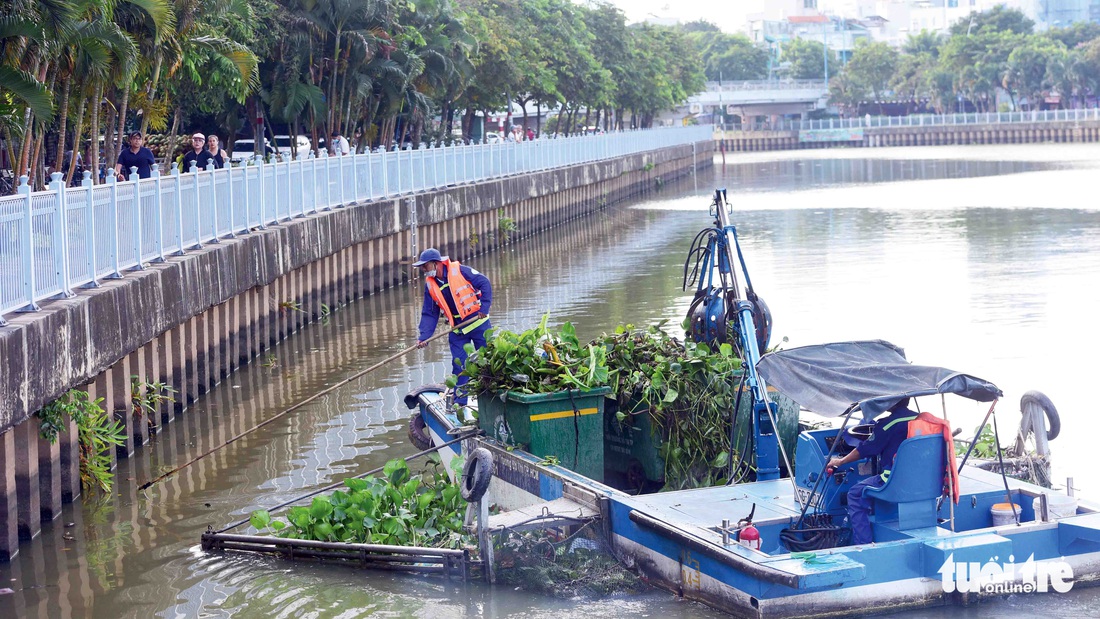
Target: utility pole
<point>825,47</point>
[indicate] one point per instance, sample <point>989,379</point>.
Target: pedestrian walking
<point>461,294</point>
<point>198,154</point>
<point>136,156</point>
<point>217,154</point>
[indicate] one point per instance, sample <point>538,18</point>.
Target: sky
<point>729,15</point>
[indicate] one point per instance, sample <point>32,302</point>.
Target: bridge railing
<point>54,241</point>
<point>729,86</point>
<point>923,120</point>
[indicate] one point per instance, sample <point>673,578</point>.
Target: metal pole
<point>232,209</point>
<point>198,212</point>
<point>61,234</point>
<point>112,182</point>
<point>158,234</point>
<point>89,232</point>
<point>29,283</point>
<point>135,203</point>
<point>179,209</point>
<point>213,198</point>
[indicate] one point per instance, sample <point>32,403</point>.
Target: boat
<point>778,546</point>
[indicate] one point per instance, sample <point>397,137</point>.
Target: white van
<point>300,150</point>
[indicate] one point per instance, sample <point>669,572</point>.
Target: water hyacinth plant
<point>538,360</point>
<point>399,509</point>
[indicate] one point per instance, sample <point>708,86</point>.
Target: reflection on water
<point>794,174</point>
<point>1003,293</point>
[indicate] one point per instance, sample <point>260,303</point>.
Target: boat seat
<point>916,481</point>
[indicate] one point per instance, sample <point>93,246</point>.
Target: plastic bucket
<point>1002,514</point>
<point>1058,506</point>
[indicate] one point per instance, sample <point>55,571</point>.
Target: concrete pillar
<point>103,390</point>
<point>9,504</point>
<point>69,453</point>
<point>27,484</point>
<point>117,403</point>
<point>141,419</point>
<point>49,476</point>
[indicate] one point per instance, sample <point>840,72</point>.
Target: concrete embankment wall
<point>1022,133</point>
<point>192,320</point>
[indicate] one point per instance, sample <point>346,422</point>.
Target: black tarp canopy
<point>831,379</point>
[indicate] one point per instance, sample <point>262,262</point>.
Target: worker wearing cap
<point>463,295</point>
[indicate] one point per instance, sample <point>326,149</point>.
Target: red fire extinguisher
<point>749,537</point>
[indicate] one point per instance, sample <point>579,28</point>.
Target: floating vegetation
<point>400,510</point>
<point>577,565</point>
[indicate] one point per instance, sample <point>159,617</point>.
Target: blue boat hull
<point>672,540</point>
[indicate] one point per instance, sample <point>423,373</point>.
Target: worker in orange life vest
<point>461,294</point>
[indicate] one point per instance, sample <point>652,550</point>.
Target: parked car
<point>300,149</point>
<point>245,148</point>
<point>492,137</point>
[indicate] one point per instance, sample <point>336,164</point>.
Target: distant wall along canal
<point>975,258</point>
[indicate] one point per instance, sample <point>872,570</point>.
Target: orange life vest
<point>927,423</point>
<point>467,299</point>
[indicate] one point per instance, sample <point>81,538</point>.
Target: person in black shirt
<point>198,154</point>
<point>135,156</point>
<point>217,153</point>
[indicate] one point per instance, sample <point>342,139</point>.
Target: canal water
<point>981,259</point>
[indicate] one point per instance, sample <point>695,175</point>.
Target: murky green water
<point>981,259</point>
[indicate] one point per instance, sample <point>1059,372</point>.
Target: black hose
<point>820,533</point>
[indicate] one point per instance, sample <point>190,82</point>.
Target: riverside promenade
<point>118,289</point>
<point>1080,125</point>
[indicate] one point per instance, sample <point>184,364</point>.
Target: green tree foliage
<point>730,56</point>
<point>807,59</point>
<point>998,19</point>
<point>89,71</point>
<point>873,66</point>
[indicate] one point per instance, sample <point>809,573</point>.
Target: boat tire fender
<point>1040,399</point>
<point>412,399</point>
<point>418,432</point>
<point>476,474</point>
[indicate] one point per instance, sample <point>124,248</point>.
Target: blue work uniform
<point>884,441</point>
<point>429,318</point>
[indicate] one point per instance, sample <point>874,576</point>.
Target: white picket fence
<point>54,241</point>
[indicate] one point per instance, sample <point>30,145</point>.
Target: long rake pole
<point>295,407</point>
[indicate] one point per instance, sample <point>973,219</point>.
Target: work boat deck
<point>675,538</point>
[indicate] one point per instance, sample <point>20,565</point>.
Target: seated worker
<point>885,439</point>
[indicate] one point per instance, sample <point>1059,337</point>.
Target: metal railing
<point>923,120</point>
<point>728,86</point>
<point>54,241</point>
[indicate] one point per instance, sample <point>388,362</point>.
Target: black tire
<point>1040,399</point>
<point>418,432</point>
<point>476,474</point>
<point>762,315</point>
<point>412,400</point>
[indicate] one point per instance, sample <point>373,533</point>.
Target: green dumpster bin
<point>567,425</point>
<point>631,450</point>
